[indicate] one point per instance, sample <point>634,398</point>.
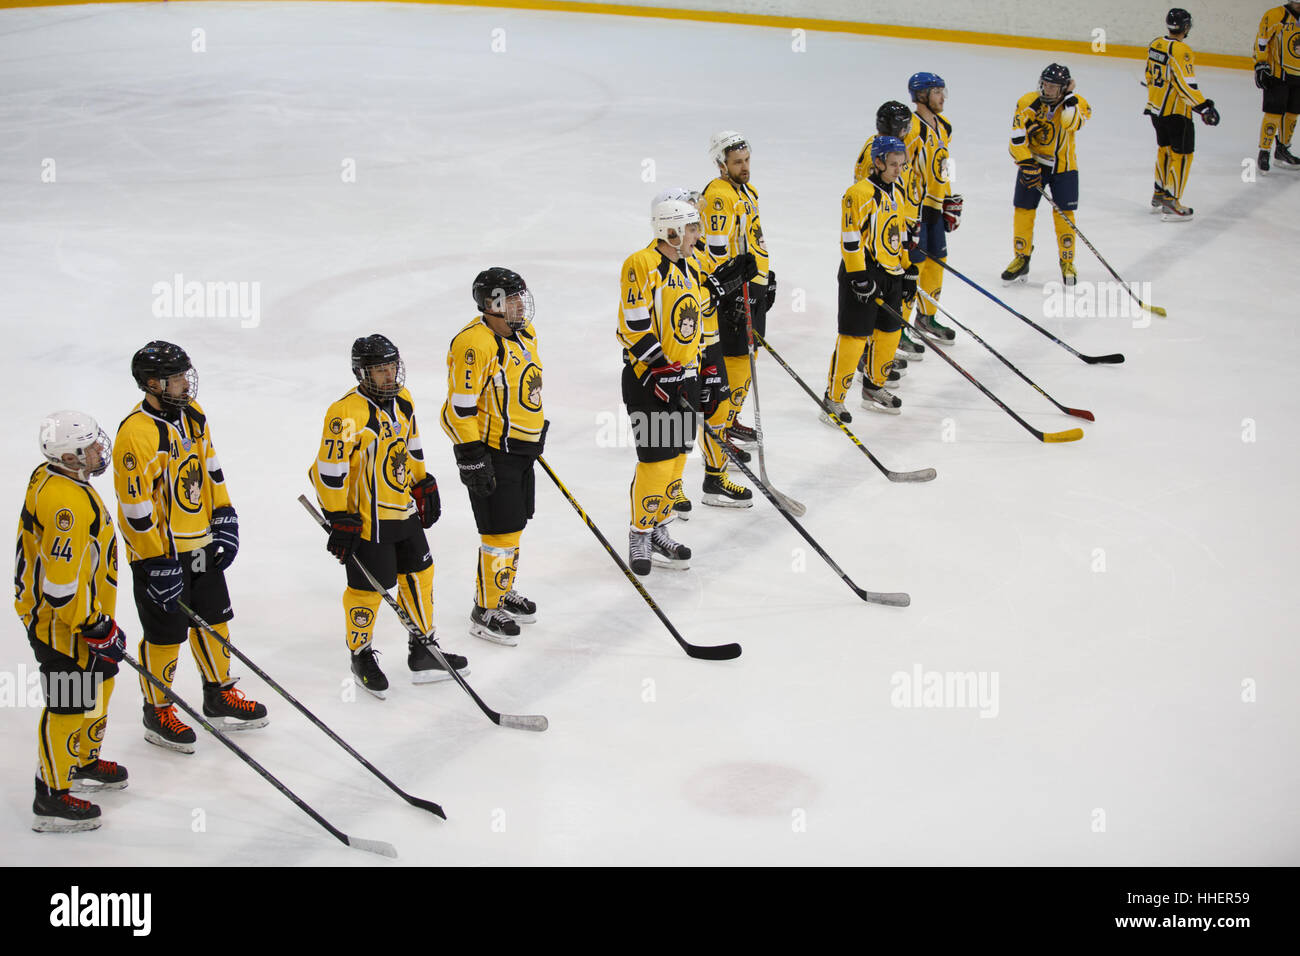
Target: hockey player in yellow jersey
<point>873,230</point>
<point>65,593</point>
<point>1172,97</point>
<point>895,119</point>
<point>378,497</point>
<point>1042,146</point>
<point>732,226</point>
<point>717,411</point>
<point>181,533</point>
<point>927,151</point>
<point>493,415</point>
<point>1277,73</point>
<point>664,297</point>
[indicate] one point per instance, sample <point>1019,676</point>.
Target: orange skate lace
<point>234,697</point>
<point>169,721</point>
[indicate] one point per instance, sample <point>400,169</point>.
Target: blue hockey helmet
<point>920,82</point>
<point>883,145</point>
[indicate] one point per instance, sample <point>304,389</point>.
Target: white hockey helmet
<point>724,141</point>
<point>75,433</point>
<point>671,217</point>
<point>680,193</point>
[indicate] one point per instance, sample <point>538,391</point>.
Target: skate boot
<point>425,668</point>
<point>877,399</point>
<point>229,709</point>
<point>721,492</point>
<point>1262,162</point>
<point>100,775</point>
<point>929,325</point>
<point>495,625</point>
<point>912,351</point>
<point>682,507</point>
<point>838,409</point>
<point>366,672</point>
<point>519,607</point>
<point>899,364</point>
<point>1018,271</point>
<point>1176,212</point>
<point>1285,159</point>
<point>58,811</point>
<point>164,728</point>
<point>742,434</point>
<point>1068,276</point>
<point>1158,199</point>
<point>667,553</point>
<point>638,551</point>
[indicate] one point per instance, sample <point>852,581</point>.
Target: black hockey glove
<point>427,501</point>
<point>1031,174</point>
<point>225,536</point>
<point>1263,79</point>
<point>165,582</point>
<point>771,292</point>
<point>345,533</point>
<point>104,638</point>
<point>909,282</point>
<point>713,380</point>
<point>864,287</point>
<point>669,383</point>
<point>729,276</point>
<point>1209,115</point>
<point>476,470</point>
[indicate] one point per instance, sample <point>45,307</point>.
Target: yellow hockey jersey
<point>662,311</point>
<point>1046,132</point>
<point>65,570</point>
<point>724,207</point>
<point>873,224</point>
<point>927,150</point>
<point>1278,42</point>
<point>705,264</point>
<point>494,389</point>
<point>168,481</point>
<point>1171,79</point>
<point>370,455</point>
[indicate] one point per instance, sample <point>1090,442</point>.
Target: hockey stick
<point>893,599</point>
<point>923,474</point>
<point>1076,412</point>
<point>1073,434</point>
<point>1113,359</point>
<point>515,721</point>
<point>207,628</point>
<point>794,507</point>
<point>721,652</point>
<point>371,846</point>
<point>1153,309</point>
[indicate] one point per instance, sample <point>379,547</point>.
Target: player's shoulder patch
<point>64,519</point>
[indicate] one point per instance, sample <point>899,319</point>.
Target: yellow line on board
<point>765,20</point>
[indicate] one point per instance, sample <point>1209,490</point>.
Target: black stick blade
<point>1114,358</point>
<point>426,805</point>
<point>890,598</point>
<point>720,652</point>
<point>524,722</point>
<point>923,474</point>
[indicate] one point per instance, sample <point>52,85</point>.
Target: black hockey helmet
<point>893,119</point>
<point>160,361</point>
<point>1054,73</point>
<point>1178,20</point>
<point>495,287</point>
<point>373,351</point>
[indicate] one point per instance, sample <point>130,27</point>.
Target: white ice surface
<point>1119,690</point>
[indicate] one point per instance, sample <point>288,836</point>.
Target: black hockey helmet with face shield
<point>160,361</point>
<point>371,354</point>
<point>503,293</point>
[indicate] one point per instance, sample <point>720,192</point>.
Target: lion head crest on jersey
<point>190,486</point>
<point>395,471</point>
<point>533,388</point>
